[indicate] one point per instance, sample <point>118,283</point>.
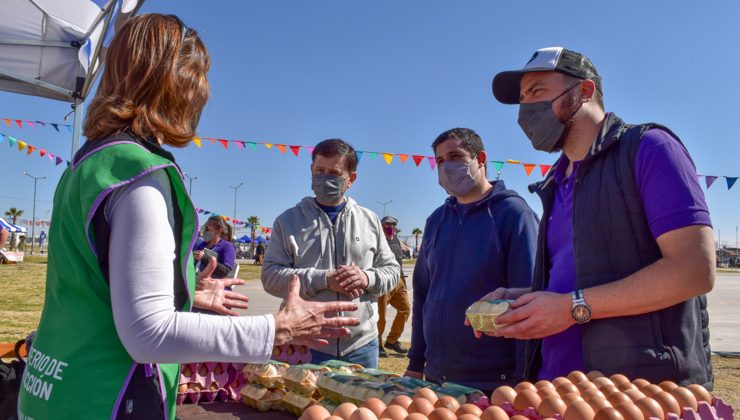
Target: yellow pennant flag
<point>198,142</point>
<point>268,145</point>
<point>388,157</point>
<point>21,145</point>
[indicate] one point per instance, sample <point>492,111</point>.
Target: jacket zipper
<point>446,289</point>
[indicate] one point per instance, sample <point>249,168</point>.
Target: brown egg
<point>503,394</point>
<point>447,402</point>
<point>667,402</point>
<point>551,406</point>
<point>421,405</point>
<point>602,381</point>
<point>547,392</point>
<point>624,386</point>
<point>395,412</point>
<point>336,418</point>
<point>516,417</point>
<point>561,380</point>
<point>579,410</point>
<point>609,389</point>
<point>594,374</point>
<point>577,377</point>
<point>634,394</point>
<point>416,416</point>
<point>668,385</point>
<point>618,379</point>
<point>427,394</point>
<point>591,393</point>
<point>182,388</point>
<point>442,413</point>
<point>363,413</point>
<point>572,397</point>
<point>700,393</point>
<point>521,386</point>
<point>629,411</point>
<point>494,413</point>
<point>375,405</point>
<point>640,383</point>
<point>543,384</point>
<point>195,387</point>
<point>617,398</point>
<point>567,389</point>
<point>315,412</point>
<point>651,389</point>
<point>526,399</point>
<point>650,408</point>
<point>684,397</point>
<point>585,386</point>
<point>597,403</point>
<point>345,410</point>
<point>608,413</point>
<point>403,401</point>
<point>469,409</point>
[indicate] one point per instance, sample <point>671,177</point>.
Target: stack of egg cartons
<point>265,385</point>
<point>209,381</point>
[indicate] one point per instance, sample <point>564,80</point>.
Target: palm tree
<point>13,214</point>
<point>254,221</point>
<point>416,232</point>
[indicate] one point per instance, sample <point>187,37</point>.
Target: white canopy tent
<point>10,227</point>
<point>55,48</point>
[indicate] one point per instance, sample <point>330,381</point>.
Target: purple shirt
<point>224,249</point>
<point>672,199</point>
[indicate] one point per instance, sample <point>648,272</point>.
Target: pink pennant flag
<point>528,168</point>
<point>20,123</point>
<point>544,169</point>
<point>310,150</point>
<point>388,158</point>
<point>709,180</point>
<point>402,157</point>
<point>281,147</point>
<point>50,156</point>
<point>30,123</point>
<point>432,162</point>
<point>295,150</point>
<point>239,144</point>
<point>224,143</point>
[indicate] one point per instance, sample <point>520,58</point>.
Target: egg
<point>634,394</point>
<point>447,402</point>
<point>517,417</point>
<point>345,410</point>
<point>668,385</point>
<point>182,388</point>
<point>609,389</point>
<point>651,389</point>
<point>416,416</point>
<point>503,394</point>
<point>521,386</point>
<point>591,393</point>
<point>577,377</point>
<point>421,405</point>
<point>629,411</point>
<point>315,412</point>
<point>567,388</point>
<point>195,387</point>
<point>572,397</point>
<point>202,370</point>
<point>427,394</point>
<point>276,351</point>
<point>551,406</point>
<point>700,393</point>
<point>617,398</point>
<point>375,405</point>
<point>640,383</point>
<point>602,381</point>
<point>187,371</point>
<point>395,412</point>
<point>608,413</point>
<point>618,379</point>
<point>547,392</point>
<point>442,413</point>
<point>466,409</point>
<point>667,402</point>
<point>561,380</point>
<point>597,403</point>
<point>218,369</point>
<point>526,399</point>
<point>334,418</point>
<point>543,384</point>
<point>685,398</point>
<point>624,386</point>
<point>579,410</point>
<point>494,413</point>
<point>650,408</point>
<point>585,386</point>
<point>402,400</point>
<point>594,374</point>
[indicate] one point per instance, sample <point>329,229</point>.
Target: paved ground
<point>724,309</point>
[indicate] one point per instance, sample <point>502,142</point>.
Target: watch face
<point>581,313</point>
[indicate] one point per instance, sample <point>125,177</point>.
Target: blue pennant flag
<point>731,181</point>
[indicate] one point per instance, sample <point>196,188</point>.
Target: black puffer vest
<point>612,240</point>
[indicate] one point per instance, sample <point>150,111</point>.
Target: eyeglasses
<point>184,30</point>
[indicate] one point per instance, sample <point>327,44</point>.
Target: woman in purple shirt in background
<point>216,237</point>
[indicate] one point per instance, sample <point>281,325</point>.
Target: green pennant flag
<point>12,141</point>
<point>372,154</point>
<point>497,165</point>
<point>253,145</point>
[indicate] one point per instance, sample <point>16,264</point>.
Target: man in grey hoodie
<point>337,249</point>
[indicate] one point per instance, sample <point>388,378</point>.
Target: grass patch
<point>249,271</point>
<point>22,288</point>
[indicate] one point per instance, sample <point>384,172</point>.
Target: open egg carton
<point>209,381</point>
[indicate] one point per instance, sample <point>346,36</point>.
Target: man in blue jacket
<point>484,236</point>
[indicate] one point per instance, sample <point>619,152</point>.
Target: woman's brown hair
<point>154,82</point>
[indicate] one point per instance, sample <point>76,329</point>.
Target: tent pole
<point>77,127</point>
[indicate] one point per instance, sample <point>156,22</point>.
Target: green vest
<point>78,367</point>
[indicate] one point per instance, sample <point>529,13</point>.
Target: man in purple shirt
<point>625,253</point>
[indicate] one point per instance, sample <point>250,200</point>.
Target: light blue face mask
<point>458,178</point>
<point>328,188</point>
<point>208,235</point>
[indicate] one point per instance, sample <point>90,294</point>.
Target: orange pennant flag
<point>224,143</point>
<point>281,147</point>
<point>295,150</point>
<point>528,168</point>
<point>212,140</point>
<point>402,157</point>
<point>30,149</point>
<point>544,169</point>
<point>198,142</point>
<point>7,121</point>
<point>21,145</point>
<point>388,158</point>
<point>268,145</point>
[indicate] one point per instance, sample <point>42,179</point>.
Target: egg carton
<point>291,354</point>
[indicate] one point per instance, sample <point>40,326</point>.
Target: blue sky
<point>390,76</point>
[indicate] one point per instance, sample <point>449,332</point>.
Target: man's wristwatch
<point>580,310</point>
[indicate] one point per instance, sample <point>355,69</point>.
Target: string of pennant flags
<point>247,225</point>
<point>30,149</point>
<point>12,122</point>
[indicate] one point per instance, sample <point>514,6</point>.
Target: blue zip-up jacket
<point>463,256</point>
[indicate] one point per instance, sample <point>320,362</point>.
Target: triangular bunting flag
<point>51,157</point>
<point>43,124</point>
<point>20,123</point>
<point>498,166</point>
<point>239,144</point>
<point>11,141</point>
<point>268,145</point>
<point>402,157</point>
<point>2,136</point>
<point>310,151</point>
<point>281,147</point>
<point>30,123</point>
<point>359,155</point>
<point>198,142</point>
<point>69,128</point>
<point>224,143</point>
<point>42,152</point>
<point>21,145</point>
<point>710,180</point>
<point>372,154</point>
<point>388,158</point>
<point>59,160</point>
<point>30,149</point>
<point>544,169</point>
<point>295,150</point>
<point>56,127</point>
<point>206,212</point>
<point>432,162</point>
<point>528,168</point>
<point>730,181</point>
<point>417,159</point>
<point>513,161</point>
<point>7,121</point>
<point>253,145</point>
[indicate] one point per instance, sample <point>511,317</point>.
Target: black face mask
<point>541,125</point>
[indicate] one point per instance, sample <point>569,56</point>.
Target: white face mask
<point>458,178</point>
<point>208,235</point>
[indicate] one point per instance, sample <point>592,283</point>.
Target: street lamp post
<point>191,178</point>
<point>384,205</point>
<point>233,221</point>
<point>33,214</point>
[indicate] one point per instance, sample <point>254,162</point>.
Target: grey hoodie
<point>305,243</point>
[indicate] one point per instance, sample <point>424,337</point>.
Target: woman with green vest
<point>116,320</point>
